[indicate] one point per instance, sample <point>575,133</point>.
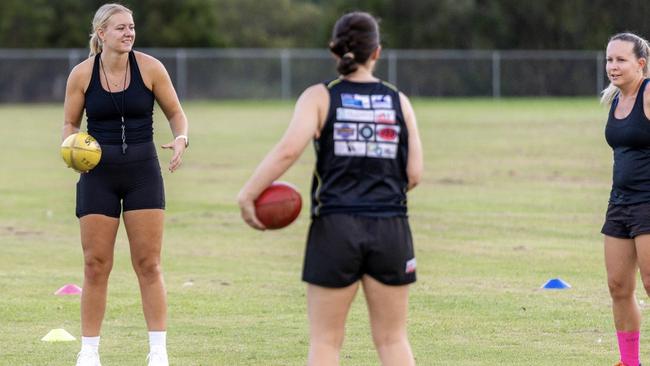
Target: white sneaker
<point>158,356</point>
<point>88,358</point>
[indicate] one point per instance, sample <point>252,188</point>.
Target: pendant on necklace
<point>124,145</point>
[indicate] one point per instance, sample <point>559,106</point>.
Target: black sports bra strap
<point>639,95</point>
<point>136,75</point>
<point>94,77</point>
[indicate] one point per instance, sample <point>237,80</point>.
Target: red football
<point>278,205</point>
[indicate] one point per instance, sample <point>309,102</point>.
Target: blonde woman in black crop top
<point>117,86</point>
<point>627,221</point>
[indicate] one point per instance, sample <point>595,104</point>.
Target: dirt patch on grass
<point>13,231</point>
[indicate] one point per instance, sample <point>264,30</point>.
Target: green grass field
<point>514,194</point>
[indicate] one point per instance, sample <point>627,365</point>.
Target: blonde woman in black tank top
<point>113,34</point>
<point>627,221</point>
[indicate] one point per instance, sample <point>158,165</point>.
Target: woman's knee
<point>620,289</point>
<point>331,338</point>
<point>387,338</point>
<point>646,283</point>
<point>148,269</point>
<point>97,269</point>
<point>330,344</point>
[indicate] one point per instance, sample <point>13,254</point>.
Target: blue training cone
<point>556,284</point>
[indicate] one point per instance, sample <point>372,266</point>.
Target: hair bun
<point>354,38</point>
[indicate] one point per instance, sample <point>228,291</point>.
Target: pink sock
<point>628,345</point>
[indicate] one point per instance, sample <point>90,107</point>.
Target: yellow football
<point>81,152</point>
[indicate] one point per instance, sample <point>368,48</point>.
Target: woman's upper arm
<point>160,84</point>
<point>308,116</point>
<point>415,160</point>
<point>304,126</point>
<point>75,98</point>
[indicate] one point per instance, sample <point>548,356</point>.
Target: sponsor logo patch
<point>367,132</point>
<point>381,150</point>
<point>410,266</point>
<point>356,101</point>
<point>382,101</point>
<point>357,115</point>
<point>385,116</point>
<point>349,148</point>
<point>387,133</point>
<point>345,131</point>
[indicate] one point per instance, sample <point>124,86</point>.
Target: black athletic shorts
<point>627,221</point>
<point>132,181</point>
<point>341,248</point>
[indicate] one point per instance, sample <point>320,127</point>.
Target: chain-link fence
<point>201,74</point>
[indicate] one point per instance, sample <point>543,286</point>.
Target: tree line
<point>415,24</point>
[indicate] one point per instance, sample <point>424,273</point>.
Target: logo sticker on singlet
<point>410,266</point>
<point>367,131</point>
<point>355,101</point>
<point>357,115</point>
<point>381,150</point>
<point>387,133</point>
<point>349,148</point>
<point>385,116</point>
<point>345,131</point>
<point>382,101</point>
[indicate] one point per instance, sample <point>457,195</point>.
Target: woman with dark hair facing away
<point>627,222</point>
<point>117,86</point>
<point>369,155</point>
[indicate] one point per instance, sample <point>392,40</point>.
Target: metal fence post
<point>285,69</point>
<point>392,67</point>
<point>73,58</point>
<point>496,74</point>
<point>181,73</point>
<point>600,72</point>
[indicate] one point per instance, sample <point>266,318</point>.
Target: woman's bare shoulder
<point>81,73</point>
<point>148,63</point>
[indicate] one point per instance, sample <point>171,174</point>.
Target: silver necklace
<point>121,111</point>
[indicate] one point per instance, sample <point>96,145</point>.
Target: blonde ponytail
<point>608,95</point>
<point>95,44</point>
<point>103,14</point>
<point>641,49</point>
<point>646,69</point>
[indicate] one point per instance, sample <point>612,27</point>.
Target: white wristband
<point>187,143</point>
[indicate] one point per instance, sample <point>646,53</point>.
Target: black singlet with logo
<point>362,152</point>
<point>630,139</point>
<point>104,120</point>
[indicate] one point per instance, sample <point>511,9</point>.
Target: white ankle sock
<point>158,339</point>
<point>90,343</point>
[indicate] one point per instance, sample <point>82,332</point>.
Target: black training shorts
<point>131,181</point>
<point>341,248</point>
<point>627,221</point>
